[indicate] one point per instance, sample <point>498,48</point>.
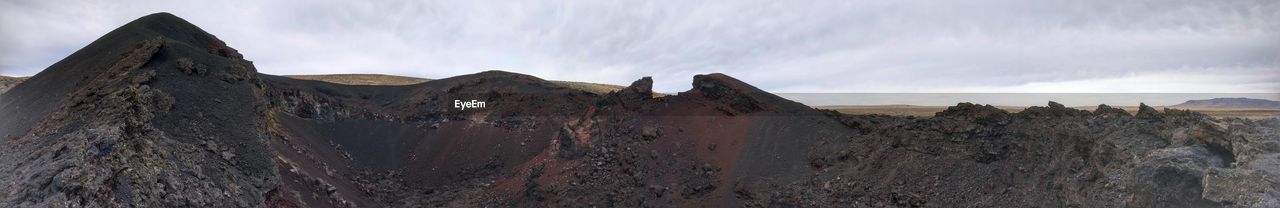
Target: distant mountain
<point>379,79</point>
<point>7,83</point>
<point>1230,103</point>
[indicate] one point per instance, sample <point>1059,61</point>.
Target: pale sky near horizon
<point>1089,46</point>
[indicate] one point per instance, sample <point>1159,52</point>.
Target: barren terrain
<point>928,111</point>
<point>159,113</point>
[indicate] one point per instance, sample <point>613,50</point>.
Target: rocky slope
<point>159,113</point>
<point>155,113</point>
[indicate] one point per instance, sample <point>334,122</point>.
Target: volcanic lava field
<point>159,113</point>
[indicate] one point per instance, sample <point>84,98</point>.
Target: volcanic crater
<point>159,113</point>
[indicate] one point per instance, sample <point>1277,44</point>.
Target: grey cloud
<point>792,46</point>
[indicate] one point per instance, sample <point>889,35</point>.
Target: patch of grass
<point>596,88</point>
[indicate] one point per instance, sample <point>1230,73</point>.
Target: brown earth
<point>159,113</point>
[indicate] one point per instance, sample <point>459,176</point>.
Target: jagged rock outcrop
<point>1147,112</point>
<point>640,90</point>
<point>631,97</point>
<point>1080,160</point>
<point>741,99</point>
<point>1108,111</point>
<point>120,124</point>
<point>1053,110</point>
<point>985,114</point>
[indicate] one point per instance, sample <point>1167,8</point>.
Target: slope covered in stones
<point>141,117</point>
<point>1048,156</point>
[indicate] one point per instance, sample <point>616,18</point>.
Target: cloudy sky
<point>782,46</point>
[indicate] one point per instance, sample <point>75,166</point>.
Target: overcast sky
<point>782,46</point>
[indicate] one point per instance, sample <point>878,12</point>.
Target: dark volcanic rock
<point>632,97</point>
<point>1059,160</point>
<point>118,124</point>
<point>985,114</point>
<point>1053,110</point>
<point>743,98</point>
<point>642,87</point>
<point>1108,111</point>
<point>1147,112</point>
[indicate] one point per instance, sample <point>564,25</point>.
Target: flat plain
<point>929,111</point>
